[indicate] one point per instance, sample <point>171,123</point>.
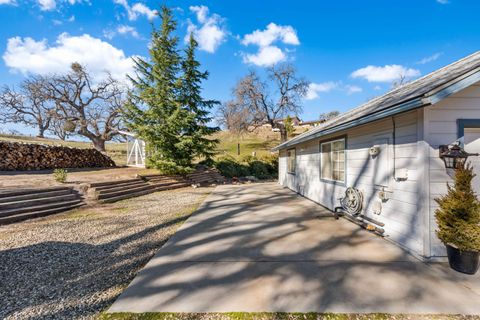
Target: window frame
<point>294,161</point>
<point>331,141</point>
<point>466,123</point>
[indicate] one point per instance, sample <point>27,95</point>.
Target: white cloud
<point>128,30</point>
<point>431,58</point>
<point>269,54</point>
<point>271,34</point>
<point>386,73</point>
<point>38,57</point>
<point>210,33</point>
<point>142,9</point>
<point>351,89</point>
<point>201,12</point>
<point>7,2</point>
<point>315,88</point>
<point>47,5</point>
<point>443,1</point>
<point>266,56</point>
<point>136,10</point>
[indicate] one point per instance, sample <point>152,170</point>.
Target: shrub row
<point>261,168</point>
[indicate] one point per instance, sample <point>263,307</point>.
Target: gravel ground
<point>74,265</point>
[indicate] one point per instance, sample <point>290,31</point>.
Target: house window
<point>333,160</point>
<point>291,161</point>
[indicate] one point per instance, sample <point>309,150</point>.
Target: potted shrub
<point>458,220</point>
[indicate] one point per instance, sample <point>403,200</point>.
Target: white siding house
<point>407,126</point>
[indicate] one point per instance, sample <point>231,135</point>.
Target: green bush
<point>262,168</point>
<point>230,168</point>
<point>458,215</point>
<point>60,175</point>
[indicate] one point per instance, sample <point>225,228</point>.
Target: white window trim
<point>344,161</point>
<point>288,161</point>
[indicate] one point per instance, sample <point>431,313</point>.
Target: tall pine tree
<point>197,108</point>
<point>165,107</point>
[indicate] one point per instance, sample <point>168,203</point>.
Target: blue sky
<point>350,50</point>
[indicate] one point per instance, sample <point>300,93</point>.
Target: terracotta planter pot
<point>463,261</point>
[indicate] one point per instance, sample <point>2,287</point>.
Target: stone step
<point>48,206</point>
<point>113,182</point>
<point>35,202</point>
<point>20,192</point>
<point>22,197</point>
<point>119,186</point>
<point>37,214</point>
<point>106,195</point>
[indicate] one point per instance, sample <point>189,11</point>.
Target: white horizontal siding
<point>441,128</point>
<point>403,222</point>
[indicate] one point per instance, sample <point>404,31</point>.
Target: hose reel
<point>352,202</point>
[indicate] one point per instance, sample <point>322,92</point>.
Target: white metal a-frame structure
<point>135,150</point>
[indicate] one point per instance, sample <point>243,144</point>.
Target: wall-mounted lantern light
<point>454,156</point>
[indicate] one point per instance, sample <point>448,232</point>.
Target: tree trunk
<point>283,133</point>
<point>99,144</point>
<point>41,132</point>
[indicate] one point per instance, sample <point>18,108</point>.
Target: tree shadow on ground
<point>272,249</point>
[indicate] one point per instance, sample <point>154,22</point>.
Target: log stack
<point>23,156</point>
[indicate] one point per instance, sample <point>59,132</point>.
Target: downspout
<point>394,144</point>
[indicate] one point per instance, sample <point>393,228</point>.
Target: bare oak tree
<point>265,103</point>
<point>233,117</point>
<point>91,110</point>
<point>328,115</point>
<point>28,106</point>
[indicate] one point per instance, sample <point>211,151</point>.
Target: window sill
<point>334,182</point>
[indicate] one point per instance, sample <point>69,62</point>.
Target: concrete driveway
<point>262,248</point>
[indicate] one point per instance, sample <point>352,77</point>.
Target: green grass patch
<point>275,316</point>
<point>260,144</point>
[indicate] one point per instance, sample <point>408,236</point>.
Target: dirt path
<point>44,178</point>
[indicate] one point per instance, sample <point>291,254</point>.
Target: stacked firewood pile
<point>22,156</point>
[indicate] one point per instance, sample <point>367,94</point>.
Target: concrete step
<point>127,196</point>
<point>20,192</point>
<point>37,214</point>
<point>48,206</point>
<point>113,182</point>
<point>119,187</point>
<point>29,196</point>
<point>35,202</point>
<point>106,195</point>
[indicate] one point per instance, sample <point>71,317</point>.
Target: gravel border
<point>74,265</point>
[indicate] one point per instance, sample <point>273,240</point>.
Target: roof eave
<point>430,98</point>
<point>405,106</point>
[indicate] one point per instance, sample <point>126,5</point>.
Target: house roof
<point>424,91</point>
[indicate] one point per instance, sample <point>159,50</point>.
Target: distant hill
<point>261,143</point>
